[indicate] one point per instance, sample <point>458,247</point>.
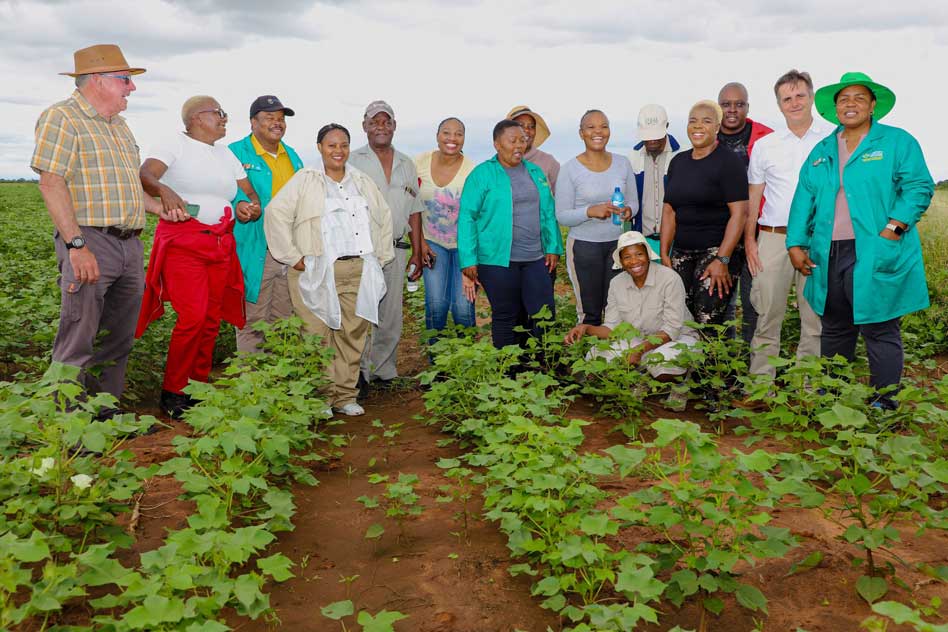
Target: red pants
<point>194,276</point>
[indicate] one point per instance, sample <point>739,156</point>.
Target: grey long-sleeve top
<point>578,188</point>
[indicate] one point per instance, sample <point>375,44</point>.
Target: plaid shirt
<point>99,160</point>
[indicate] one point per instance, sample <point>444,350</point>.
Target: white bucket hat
<point>630,239</point>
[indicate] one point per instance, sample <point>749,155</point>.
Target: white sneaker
<point>327,412</point>
<point>352,409</point>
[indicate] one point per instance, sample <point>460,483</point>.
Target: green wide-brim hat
<point>826,102</point>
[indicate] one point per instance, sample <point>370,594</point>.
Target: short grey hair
<point>82,80</point>
<point>192,105</point>
<point>708,104</point>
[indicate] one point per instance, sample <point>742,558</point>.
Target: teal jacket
<point>251,242</point>
<point>886,177</point>
<point>485,219</point>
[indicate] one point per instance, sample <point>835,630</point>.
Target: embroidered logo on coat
<point>871,156</point>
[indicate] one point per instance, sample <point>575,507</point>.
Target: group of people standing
<point>248,234</point>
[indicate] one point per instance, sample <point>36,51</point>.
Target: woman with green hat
<point>852,228</point>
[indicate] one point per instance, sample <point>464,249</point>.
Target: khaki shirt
<point>97,157</point>
<point>659,305</point>
<point>402,193</point>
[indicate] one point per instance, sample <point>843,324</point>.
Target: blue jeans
<point>521,287</point>
<point>443,291</point>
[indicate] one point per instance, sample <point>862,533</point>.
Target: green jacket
<point>485,219</point>
<point>251,242</point>
<point>886,177</point>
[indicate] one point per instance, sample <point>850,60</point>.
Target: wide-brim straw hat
<point>630,238</point>
<point>101,58</point>
<point>825,98</point>
<point>543,130</point>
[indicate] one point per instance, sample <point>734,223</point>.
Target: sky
<point>474,59</point>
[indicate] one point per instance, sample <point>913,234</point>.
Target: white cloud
<point>473,59</point>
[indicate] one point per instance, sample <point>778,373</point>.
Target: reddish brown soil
<point>419,575</point>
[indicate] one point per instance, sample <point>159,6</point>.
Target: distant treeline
<point>942,185</point>
<point>8,180</point>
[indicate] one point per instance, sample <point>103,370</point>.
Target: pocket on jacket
<point>888,255</point>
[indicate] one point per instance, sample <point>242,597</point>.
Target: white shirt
<point>345,224</point>
<point>345,229</point>
<point>200,174</point>
<point>776,162</point>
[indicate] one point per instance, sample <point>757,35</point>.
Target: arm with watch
<point>717,271</point>
<point>59,204</point>
<point>893,230</point>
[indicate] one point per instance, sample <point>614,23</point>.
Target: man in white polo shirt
<point>772,173</point>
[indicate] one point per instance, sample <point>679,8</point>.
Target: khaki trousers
<point>272,304</point>
<point>769,297</point>
<point>348,341</point>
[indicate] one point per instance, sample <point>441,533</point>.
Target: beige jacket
<point>292,221</point>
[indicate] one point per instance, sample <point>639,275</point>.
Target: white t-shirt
<point>201,174</point>
<point>775,163</point>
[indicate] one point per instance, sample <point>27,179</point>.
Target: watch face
<point>77,242</point>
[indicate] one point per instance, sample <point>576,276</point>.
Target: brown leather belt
<point>115,231</point>
<point>782,230</point>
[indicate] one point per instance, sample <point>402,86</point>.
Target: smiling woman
<point>194,263</point>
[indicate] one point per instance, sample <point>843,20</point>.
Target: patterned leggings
<point>690,265</point>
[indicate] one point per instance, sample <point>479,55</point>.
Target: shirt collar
<point>816,128</point>
<point>257,147</point>
<point>86,107</point>
<point>345,178</point>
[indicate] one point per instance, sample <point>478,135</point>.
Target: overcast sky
<point>469,58</point>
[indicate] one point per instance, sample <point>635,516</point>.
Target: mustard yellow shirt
<point>280,166</point>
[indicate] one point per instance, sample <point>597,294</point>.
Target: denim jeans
<point>443,291</point>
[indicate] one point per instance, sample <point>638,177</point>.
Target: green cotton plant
<point>460,492</point>
<point>619,387</point>
<point>901,614</point>
<point>714,366</point>
<point>804,389</point>
<point>865,481</point>
<point>50,478</point>
<point>399,500</point>
<point>547,352</point>
<point>707,512</point>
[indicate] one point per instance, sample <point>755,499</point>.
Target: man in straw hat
<point>88,162</point>
<point>851,229</point>
<point>537,132</point>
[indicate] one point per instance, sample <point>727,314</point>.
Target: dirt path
<point>419,575</point>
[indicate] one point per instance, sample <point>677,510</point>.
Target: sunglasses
<point>126,78</point>
<point>221,113</point>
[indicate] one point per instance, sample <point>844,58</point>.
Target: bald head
<point>734,105</point>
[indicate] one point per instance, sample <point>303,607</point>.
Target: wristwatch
<point>76,243</point>
<point>722,259</point>
<point>895,228</point>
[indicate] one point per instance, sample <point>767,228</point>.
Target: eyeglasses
<point>737,105</point>
<point>126,78</point>
<point>221,113</point>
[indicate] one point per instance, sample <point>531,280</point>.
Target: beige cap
<point>631,238</point>
<point>378,106</point>
<point>653,122</point>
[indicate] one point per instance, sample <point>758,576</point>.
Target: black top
<point>737,143</point>
<point>699,191</point>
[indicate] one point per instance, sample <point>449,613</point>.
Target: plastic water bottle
<point>411,286</point>
<point>618,201</point>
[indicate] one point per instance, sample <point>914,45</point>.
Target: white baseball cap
<point>653,122</point>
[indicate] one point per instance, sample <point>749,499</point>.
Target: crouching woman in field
<point>651,298</point>
<point>334,228</point>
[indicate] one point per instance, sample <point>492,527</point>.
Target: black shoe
<point>174,404</point>
<point>107,413</point>
<point>363,387</point>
